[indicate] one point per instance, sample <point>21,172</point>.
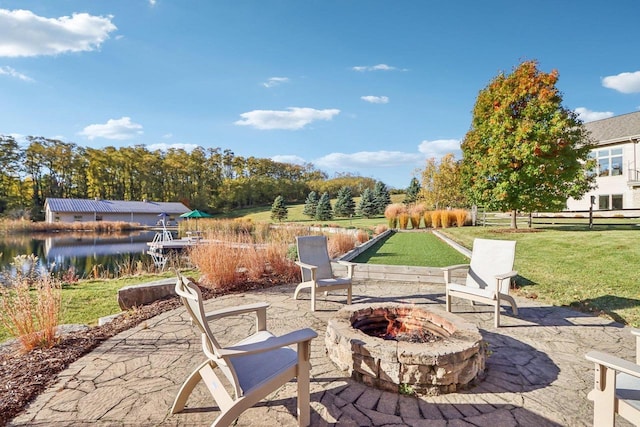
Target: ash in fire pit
<point>394,345</point>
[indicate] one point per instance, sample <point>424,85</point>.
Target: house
<point>81,210</point>
<point>618,165</point>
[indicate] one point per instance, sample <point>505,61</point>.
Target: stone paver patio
<point>536,371</point>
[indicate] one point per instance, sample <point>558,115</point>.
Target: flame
<point>396,327</point>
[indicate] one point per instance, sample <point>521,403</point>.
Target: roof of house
<point>615,129</point>
<point>114,206</point>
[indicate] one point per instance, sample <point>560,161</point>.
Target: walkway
<point>537,374</point>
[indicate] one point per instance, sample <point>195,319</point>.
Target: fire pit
<point>399,347</point>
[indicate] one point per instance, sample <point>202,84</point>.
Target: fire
<point>396,328</point>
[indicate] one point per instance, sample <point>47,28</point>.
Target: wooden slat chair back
<point>616,387</point>
<point>488,278</point>
<point>317,271</point>
<point>254,366</point>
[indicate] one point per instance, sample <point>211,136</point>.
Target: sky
<point>367,87</point>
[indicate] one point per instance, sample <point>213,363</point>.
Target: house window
<point>609,201</point>
<point>609,162</point>
<point>56,218</point>
<point>98,217</point>
<point>77,217</point>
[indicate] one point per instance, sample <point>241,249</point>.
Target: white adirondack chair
<point>317,273</point>
<point>489,276</point>
<point>617,387</point>
<point>254,366</point>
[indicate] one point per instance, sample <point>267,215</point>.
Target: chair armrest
<point>350,266</point>
<point>613,362</point>
<point>272,343</point>
<point>307,266</point>
<point>231,311</point>
<point>506,275</point>
<point>454,267</point>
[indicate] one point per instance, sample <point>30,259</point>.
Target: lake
<point>85,252</point>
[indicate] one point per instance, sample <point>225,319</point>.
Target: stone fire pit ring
<point>454,362</point>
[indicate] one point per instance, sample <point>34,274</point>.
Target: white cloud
<point>379,67</point>
<point>275,81</point>
<point>167,136</point>
<point>623,82</point>
<point>291,119</point>
<point>438,148</point>
<point>152,2</point>
<point>23,33</point>
<point>288,158</point>
<point>367,159</point>
<point>8,71</point>
<point>119,129</point>
<point>587,115</point>
<point>375,99</point>
<point>176,146</point>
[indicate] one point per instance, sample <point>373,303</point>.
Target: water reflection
<point>86,253</point>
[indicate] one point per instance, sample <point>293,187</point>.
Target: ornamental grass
<point>30,305</point>
<point>415,215</point>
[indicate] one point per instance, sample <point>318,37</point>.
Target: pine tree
<point>411,194</point>
<point>323,211</point>
<point>310,205</point>
<point>279,210</point>
<point>381,197</point>
<point>367,206</point>
<point>345,206</point>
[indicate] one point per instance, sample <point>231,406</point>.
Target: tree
<point>310,205</point>
<point>279,210</point>
<point>345,205</point>
<point>367,205</point>
<point>323,210</point>
<point>381,197</point>
<point>442,184</point>
<point>525,151</point>
<point>411,194</point>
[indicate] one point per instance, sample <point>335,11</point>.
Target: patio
<point>536,371</point>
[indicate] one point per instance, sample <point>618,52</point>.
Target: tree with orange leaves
<point>524,151</point>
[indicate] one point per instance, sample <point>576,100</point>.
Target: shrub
<point>362,236</point>
<point>379,229</point>
<point>218,261</point>
<point>340,243</point>
<point>427,218</point>
<point>403,220</point>
<point>415,214</point>
<point>435,218</point>
<point>30,306</point>
<point>461,217</point>
<point>391,212</point>
<point>445,219</point>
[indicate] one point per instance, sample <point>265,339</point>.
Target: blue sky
<point>361,86</point>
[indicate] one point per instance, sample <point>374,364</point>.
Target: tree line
<point>211,179</point>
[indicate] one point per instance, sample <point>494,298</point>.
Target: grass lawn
<point>591,270</point>
<point>417,249</point>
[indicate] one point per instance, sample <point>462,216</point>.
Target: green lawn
<point>592,270</point>
<point>417,249</point>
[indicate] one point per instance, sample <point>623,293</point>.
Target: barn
<point>143,212</point>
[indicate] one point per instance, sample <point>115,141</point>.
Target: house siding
<point>616,132</point>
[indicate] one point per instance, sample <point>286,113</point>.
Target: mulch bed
<point>24,376</point>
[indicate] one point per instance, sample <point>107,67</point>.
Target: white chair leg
<point>186,389</point>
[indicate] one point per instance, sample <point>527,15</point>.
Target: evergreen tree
<point>279,210</point>
<point>411,195</point>
<point>381,197</point>
<point>345,206</point>
<point>323,211</point>
<point>367,205</point>
<point>310,205</point>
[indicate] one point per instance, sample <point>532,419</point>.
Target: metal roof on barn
<point>615,129</point>
<point>115,206</point>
